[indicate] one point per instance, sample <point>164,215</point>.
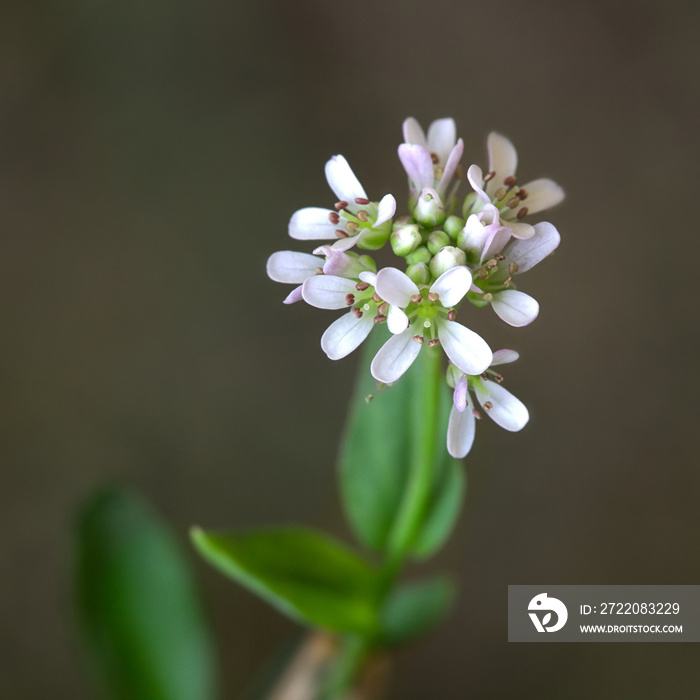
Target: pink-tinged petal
<point>503,160</point>
<point>503,357</point>
<point>542,194</point>
<point>327,292</point>
<point>369,277</point>
<point>452,285</point>
<point>499,237</point>
<point>521,230</point>
<point>342,180</point>
<point>292,267</point>
<point>294,296</point>
<point>385,209</point>
<point>451,165</point>
<point>417,164</point>
<point>345,334</point>
<point>442,134</point>
<point>476,180</point>
<point>460,396</point>
<point>311,224</point>
<point>466,349</point>
<point>527,253</point>
<point>413,133</point>
<point>395,286</point>
<point>510,413</point>
<point>460,433</point>
<point>343,244</point>
<point>395,357</point>
<point>515,308</point>
<point>396,320</point>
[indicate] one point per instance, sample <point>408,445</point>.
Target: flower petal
<point>515,308</point>
<point>327,291</point>
<point>506,410</point>
<point>342,180</point>
<point>345,334</point>
<point>311,224</point>
<point>466,349</point>
<point>395,357</point>
<point>527,253</point>
<point>417,164</point>
<point>442,134</point>
<point>503,160</point>
<point>503,357</point>
<point>395,286</point>
<point>521,230</point>
<point>450,166</point>
<point>452,285</point>
<point>476,180</point>
<point>294,296</point>
<point>385,209</point>
<point>413,132</point>
<point>396,320</point>
<point>460,432</point>
<point>292,267</point>
<point>460,398</point>
<point>542,194</point>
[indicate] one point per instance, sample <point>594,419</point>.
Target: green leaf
<point>139,611</point>
<point>412,609</point>
<point>308,576</point>
<point>375,458</point>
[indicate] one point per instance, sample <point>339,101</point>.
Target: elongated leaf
<point>414,608</point>
<point>376,454</point>
<point>306,575</point>
<point>140,614</point>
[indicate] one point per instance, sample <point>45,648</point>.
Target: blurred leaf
<point>414,608</point>
<point>306,575</point>
<point>375,457</point>
<point>142,619</point>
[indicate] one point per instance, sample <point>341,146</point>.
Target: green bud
<point>446,259</point>
<point>376,237</point>
<point>420,254</point>
<point>437,240</point>
<point>429,209</point>
<point>367,263</point>
<point>419,273</point>
<point>405,240</point>
<point>452,226</point>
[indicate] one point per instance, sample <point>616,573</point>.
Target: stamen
<point>487,405</point>
<point>361,286</point>
<point>523,194</point>
<point>491,264</point>
<point>383,308</point>
<point>319,270</point>
<point>377,298</point>
<point>507,281</point>
<point>333,218</point>
<point>489,176</point>
<point>477,413</point>
<point>352,226</point>
<point>452,315</point>
<point>379,319</point>
<point>510,181</point>
<point>361,201</point>
<point>458,171</point>
<point>349,299</point>
<point>433,296</point>
<point>482,274</point>
<point>435,158</point>
<point>357,312</point>
<point>513,268</point>
<point>432,343</point>
<point>513,202</point>
<point>417,298</point>
<point>499,257</point>
<point>498,378</point>
<point>341,234</point>
<point>522,213</point>
<point>487,297</point>
<point>341,205</point>
<point>362,215</point>
<point>501,193</point>
<point>418,339</point>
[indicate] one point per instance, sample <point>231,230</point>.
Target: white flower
<point>498,403</point>
<point>355,219</point>
<point>494,279</point>
<point>431,162</point>
<point>499,188</point>
<point>415,315</point>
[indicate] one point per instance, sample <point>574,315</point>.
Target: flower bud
<point>375,237</point>
<point>429,209</point>
<point>420,254</point>
<point>452,226</point>
<point>419,273</point>
<point>437,240</point>
<point>446,259</point>
<point>405,240</point>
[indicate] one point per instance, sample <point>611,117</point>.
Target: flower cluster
<point>449,254</point>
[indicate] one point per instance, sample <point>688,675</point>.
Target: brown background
<point>151,154</point>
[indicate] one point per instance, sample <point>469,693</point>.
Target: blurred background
<point>151,154</point>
